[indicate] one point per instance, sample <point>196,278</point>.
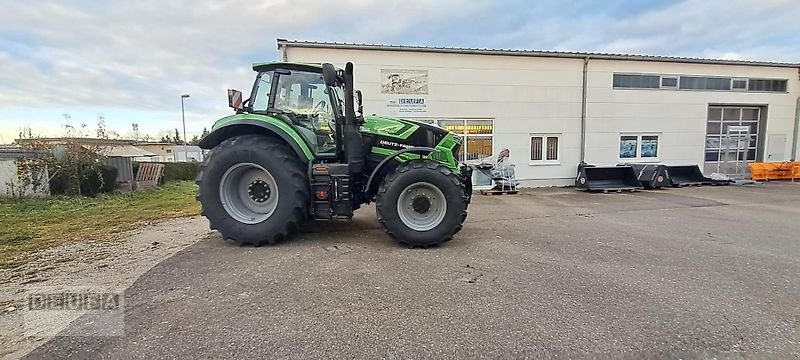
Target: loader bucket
<point>652,176</point>
<point>606,178</point>
<point>687,175</point>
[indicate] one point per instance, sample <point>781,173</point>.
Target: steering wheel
<point>320,107</point>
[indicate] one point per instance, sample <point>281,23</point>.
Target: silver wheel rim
<point>248,193</point>
<point>421,206</point>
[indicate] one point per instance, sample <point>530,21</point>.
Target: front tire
<point>422,203</point>
<point>253,190</point>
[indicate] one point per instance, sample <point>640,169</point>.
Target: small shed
<point>18,176</point>
<point>121,157</point>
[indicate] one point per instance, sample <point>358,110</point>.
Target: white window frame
<point>746,84</point>
<point>677,82</point>
<point>544,160</point>
<point>639,157</point>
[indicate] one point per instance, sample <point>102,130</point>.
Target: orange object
<point>787,170</point>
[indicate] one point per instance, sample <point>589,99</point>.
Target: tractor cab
<point>298,94</point>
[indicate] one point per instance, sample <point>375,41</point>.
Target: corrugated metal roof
<point>16,152</point>
<point>533,53</point>
<point>123,151</point>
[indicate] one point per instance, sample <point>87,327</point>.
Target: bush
<point>180,171</point>
<point>135,168</point>
<point>92,183</point>
<point>104,183</point>
<point>59,184</point>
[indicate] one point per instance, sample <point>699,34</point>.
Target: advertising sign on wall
<point>410,85</point>
<point>404,82</point>
<point>406,105</point>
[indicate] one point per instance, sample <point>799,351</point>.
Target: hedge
<point>180,171</point>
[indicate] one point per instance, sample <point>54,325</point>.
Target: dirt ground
<point>113,264</point>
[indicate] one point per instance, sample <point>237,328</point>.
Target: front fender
<point>241,125</point>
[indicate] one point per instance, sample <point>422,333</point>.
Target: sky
<point>68,62</point>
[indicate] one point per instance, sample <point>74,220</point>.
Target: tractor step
<point>332,198</point>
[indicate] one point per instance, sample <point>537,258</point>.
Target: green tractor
<point>300,149</point>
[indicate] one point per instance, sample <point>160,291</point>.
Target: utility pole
<point>183,118</point>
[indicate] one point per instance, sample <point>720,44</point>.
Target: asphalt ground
<point>692,272</point>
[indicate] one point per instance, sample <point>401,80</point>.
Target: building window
<point>638,146</point>
<point>669,82</point>
<point>544,149</point>
<point>739,84</point>
<point>636,81</point>
<point>704,83</point>
<point>477,137</point>
<point>697,82</point>
<point>169,151</point>
<point>771,85</point>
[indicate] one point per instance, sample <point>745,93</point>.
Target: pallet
<point>688,184</point>
<point>618,190</point>
<point>498,192</point>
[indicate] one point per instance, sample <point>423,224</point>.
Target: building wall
<point>533,95</point>
<point>679,116</point>
<point>164,151</point>
<point>194,154</point>
<point>9,181</point>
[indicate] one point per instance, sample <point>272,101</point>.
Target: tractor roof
<point>287,65</point>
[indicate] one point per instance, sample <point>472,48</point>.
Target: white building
<point>554,109</point>
<point>188,153</point>
<point>20,176</point>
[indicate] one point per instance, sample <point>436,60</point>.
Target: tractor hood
<point>403,132</point>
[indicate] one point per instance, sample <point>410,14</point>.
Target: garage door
<point>718,154</point>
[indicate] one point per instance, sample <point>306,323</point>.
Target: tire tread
<point>294,167</point>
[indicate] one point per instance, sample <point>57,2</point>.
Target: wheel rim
<point>248,193</point>
<point>421,206</point>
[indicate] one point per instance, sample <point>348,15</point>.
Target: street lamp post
<point>183,118</point>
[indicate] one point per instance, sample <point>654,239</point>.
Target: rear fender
<point>252,126</point>
<point>374,176</point>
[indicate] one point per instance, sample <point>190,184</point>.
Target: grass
<point>31,225</point>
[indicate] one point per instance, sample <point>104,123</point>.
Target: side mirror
<point>235,99</point>
<point>329,74</point>
<point>359,100</point>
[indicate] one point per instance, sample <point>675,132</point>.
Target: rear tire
<point>253,190</point>
<point>422,203</point>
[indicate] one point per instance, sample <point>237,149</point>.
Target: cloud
<point>137,53</point>
<point>141,55</point>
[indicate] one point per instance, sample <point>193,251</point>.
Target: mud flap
<point>466,179</point>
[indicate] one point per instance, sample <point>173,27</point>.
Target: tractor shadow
<point>340,226</point>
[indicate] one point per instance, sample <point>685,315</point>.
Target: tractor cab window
<point>304,98</point>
